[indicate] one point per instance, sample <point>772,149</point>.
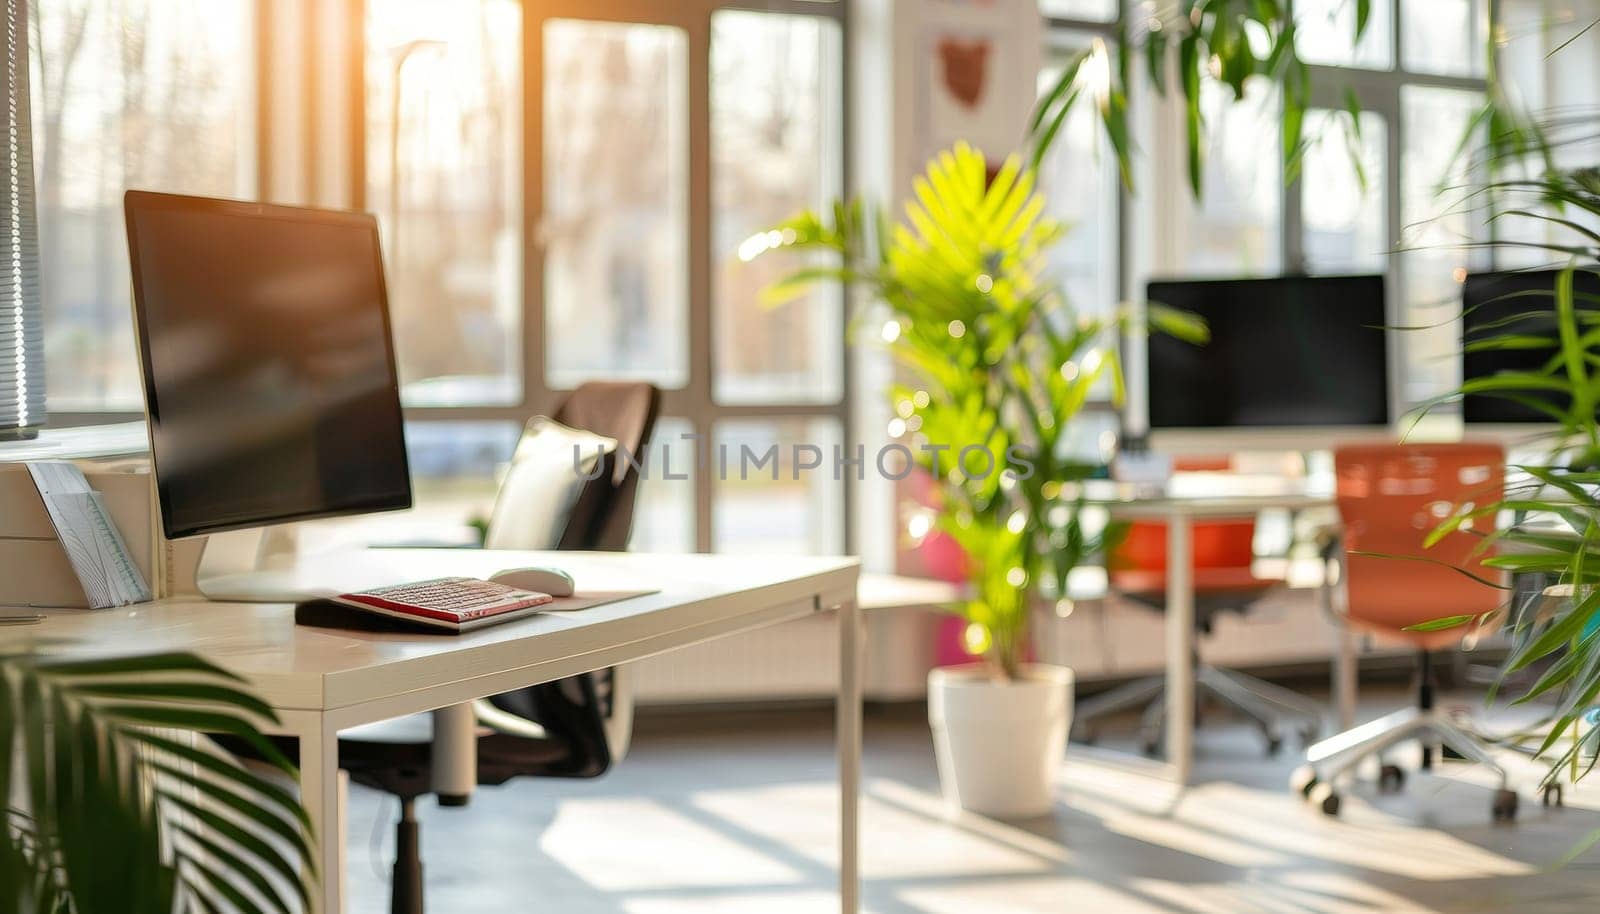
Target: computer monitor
<point>1290,353</point>
<point>269,371</point>
<point>1521,303</point>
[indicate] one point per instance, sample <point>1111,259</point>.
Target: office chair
<point>1223,581</point>
<point>1390,497</point>
<point>572,728</point>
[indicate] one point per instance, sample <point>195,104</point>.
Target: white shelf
<point>124,439</point>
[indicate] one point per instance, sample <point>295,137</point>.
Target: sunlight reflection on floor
<point>710,824</point>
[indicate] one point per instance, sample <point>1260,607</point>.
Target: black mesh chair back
<point>574,710</point>
<point>602,518</point>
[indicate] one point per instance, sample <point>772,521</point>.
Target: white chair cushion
<point>543,484</point>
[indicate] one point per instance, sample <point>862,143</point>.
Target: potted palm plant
<point>1559,627</point>
<point>997,365</point>
<point>1540,205</point>
<point>125,806</point>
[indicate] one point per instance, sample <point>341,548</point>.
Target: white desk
<point>1194,495</point>
<point>892,591</point>
<point>322,681</point>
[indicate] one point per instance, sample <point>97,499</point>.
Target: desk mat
<point>592,598</point>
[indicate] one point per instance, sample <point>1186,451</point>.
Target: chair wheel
<point>1087,737</point>
<point>1151,748</point>
<point>1302,780</point>
<point>1274,745</point>
<point>1391,779</point>
<point>1308,736</point>
<point>1323,797</point>
<point>1551,795</point>
<point>1505,805</point>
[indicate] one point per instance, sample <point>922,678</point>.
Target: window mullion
<point>697,393</point>
<point>535,389</point>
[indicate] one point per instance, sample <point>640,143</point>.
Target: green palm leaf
<point>1203,41</point>
<point>130,806</point>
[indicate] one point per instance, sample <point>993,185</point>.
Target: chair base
<point>405,891</point>
<point>1331,760</point>
<point>1272,708</point>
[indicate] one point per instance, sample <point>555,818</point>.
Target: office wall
<point>1103,640</point>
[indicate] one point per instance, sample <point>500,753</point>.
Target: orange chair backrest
<point>1226,543</point>
<point>1203,463</point>
<point>1390,498</point>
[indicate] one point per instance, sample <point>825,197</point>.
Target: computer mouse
<point>553,581</point>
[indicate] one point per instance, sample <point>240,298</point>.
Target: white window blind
<point>21,331</point>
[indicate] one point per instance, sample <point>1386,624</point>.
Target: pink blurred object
<point>949,643</point>
<point>943,558</point>
<point>938,553</point>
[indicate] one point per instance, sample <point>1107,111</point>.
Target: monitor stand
<point>277,573</point>
<point>289,585</point>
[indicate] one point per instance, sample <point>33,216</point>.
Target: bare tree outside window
<point>148,94</point>
<point>774,117</point>
<point>615,222</point>
<point>444,176</point>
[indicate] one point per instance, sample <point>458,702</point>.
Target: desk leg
<point>849,742</point>
<point>322,793</point>
<point>1180,650</point>
<point>1344,677</point>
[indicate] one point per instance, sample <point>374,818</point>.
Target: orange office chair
<point>1390,497</point>
<point>1223,580</point>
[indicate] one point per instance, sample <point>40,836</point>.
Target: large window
<point>1368,187</point>
<point>1326,27</point>
<point>775,135</point>
<point>1343,191</point>
<point>1549,61</point>
<point>1080,180</point>
<point>1235,228</point>
<point>1435,228</point>
<point>1444,37</point>
<point>444,175</point>
<point>564,188</point>
<point>1418,75</point>
<point>147,94</point>
<point>616,189</point>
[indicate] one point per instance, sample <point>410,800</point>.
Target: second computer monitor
<point>1520,304</point>
<point>1285,353</point>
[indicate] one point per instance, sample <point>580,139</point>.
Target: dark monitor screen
<point>269,373</point>
<point>1521,303</point>
<point>1288,352</point>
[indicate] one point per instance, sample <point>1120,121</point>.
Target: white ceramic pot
<point>999,744</point>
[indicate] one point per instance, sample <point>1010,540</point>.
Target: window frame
<point>262,96</point>
<point>695,402</point>
<point>1059,34</point>
<point>309,94</point>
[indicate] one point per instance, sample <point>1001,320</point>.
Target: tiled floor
<point>737,815</point>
